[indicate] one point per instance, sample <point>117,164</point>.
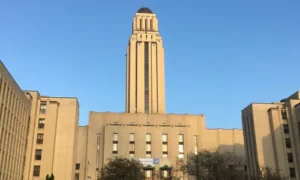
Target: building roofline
<point>226,129</point>
<point>13,79</point>
<point>145,114</point>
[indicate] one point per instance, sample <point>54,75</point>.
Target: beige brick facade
<point>14,122</point>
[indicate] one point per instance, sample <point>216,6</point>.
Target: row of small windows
<point>148,145</point>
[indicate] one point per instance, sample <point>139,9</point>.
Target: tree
<point>50,177</point>
<point>267,173</point>
<point>206,165</point>
<point>122,169</point>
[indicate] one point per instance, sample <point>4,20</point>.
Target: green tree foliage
<point>208,165</point>
<point>122,169</point>
<point>50,177</point>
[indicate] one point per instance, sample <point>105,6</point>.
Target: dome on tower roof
<point>145,10</point>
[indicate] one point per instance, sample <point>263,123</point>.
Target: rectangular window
<point>38,154</point>
<point>76,176</point>
<point>148,173</point>
<point>131,155</point>
<point>164,147</point>
<point>43,107</point>
<point>164,138</point>
<point>196,144</point>
<point>286,128</point>
<point>98,152</point>
<point>36,170</point>
<point>41,123</point>
<point>288,143</point>
<point>284,114</point>
<point>151,25</point>
<point>131,137</point>
<point>180,148</point>
<point>292,172</point>
<point>77,166</point>
<point>131,147</point>
<point>290,157</point>
<point>115,137</point>
<point>40,138</point>
<point>148,137</point>
<point>115,147</point>
<point>148,147</point>
<point>146,77</point>
<point>180,138</point>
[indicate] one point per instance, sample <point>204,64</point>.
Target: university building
<point>145,132</point>
<point>272,136</point>
<point>40,134</point>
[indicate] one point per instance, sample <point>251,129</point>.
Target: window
<point>43,107</point>
<point>115,147</point>
<point>148,147</point>
<point>180,138</point>
<point>164,147</point>
<point>148,173</point>
<point>131,137</point>
<point>76,176</point>
<point>41,123</point>
<point>290,157</point>
<point>146,24</point>
<point>98,151</point>
<point>36,170</point>
<point>131,147</point>
<point>151,25</point>
<point>131,155</point>
<point>146,76</point>
<point>285,128</point>
<point>77,166</point>
<point>115,137</point>
<point>165,173</point>
<point>148,138</point>
<point>284,114</point>
<point>288,143</point>
<point>40,138</point>
<point>196,144</point>
<point>38,154</point>
<point>180,148</point>
<point>164,138</point>
<point>292,173</point>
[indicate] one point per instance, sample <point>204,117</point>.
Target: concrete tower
<point>145,76</point>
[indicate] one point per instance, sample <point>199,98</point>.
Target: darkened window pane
<point>286,128</point>
<point>292,172</point>
<point>36,171</point>
<point>283,114</point>
<point>290,157</point>
<point>41,123</point>
<point>40,139</point>
<point>38,154</point>
<point>288,143</point>
<point>43,107</point>
<point>77,166</point>
<point>146,77</point>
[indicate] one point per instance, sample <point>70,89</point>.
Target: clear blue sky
<point>219,55</point>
